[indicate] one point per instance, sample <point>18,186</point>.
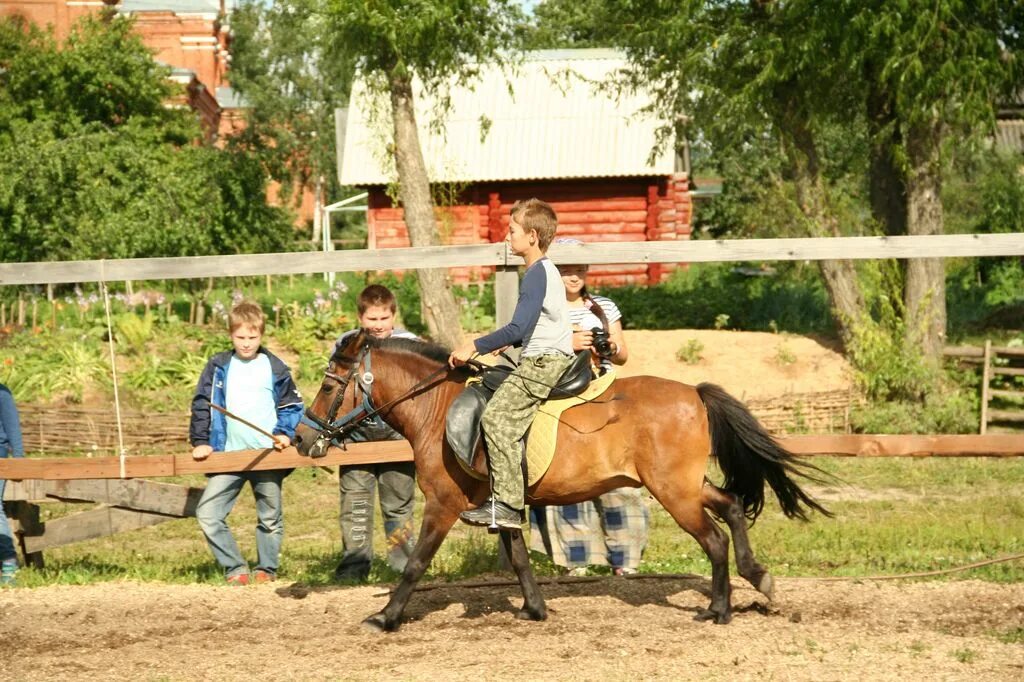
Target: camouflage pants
<point>510,413</point>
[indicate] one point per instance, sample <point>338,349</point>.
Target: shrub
<point>135,331</point>
<point>690,352</point>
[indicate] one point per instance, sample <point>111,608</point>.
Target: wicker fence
<point>820,412</point>
<point>63,430</point>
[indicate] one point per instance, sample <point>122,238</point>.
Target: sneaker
<point>623,570</point>
<point>578,572</point>
<point>500,513</point>
<point>261,576</point>
<point>238,579</point>
<point>8,573</point>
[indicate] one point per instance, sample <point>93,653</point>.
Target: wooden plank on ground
<point>95,523</point>
<point>155,466</point>
<point>137,494</point>
<point>864,445</point>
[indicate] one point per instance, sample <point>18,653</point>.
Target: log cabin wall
<point>628,209</point>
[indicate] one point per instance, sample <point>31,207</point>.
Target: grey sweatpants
<point>396,484</point>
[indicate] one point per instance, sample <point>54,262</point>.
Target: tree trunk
<point>887,185</point>
<point>439,309</point>
<point>924,292</point>
<point>846,298</point>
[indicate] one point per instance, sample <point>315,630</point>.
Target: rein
<point>481,367</point>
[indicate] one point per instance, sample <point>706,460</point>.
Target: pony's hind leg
<point>688,511</point>
<point>728,507</point>
<point>533,600</point>
<point>437,521</point>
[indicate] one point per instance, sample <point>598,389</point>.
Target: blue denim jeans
<point>217,502</point>
<point>8,554</point>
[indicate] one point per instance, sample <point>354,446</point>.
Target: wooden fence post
<point>26,518</point>
<point>986,375</point>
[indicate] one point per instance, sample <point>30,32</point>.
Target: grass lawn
<point>891,516</point>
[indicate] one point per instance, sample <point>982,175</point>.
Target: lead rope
<point>113,371</point>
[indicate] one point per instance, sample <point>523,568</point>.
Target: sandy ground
<point>747,364</point>
<point>609,629</point>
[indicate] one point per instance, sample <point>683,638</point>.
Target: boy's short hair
<point>247,312</point>
<point>376,295</point>
<point>534,214</point>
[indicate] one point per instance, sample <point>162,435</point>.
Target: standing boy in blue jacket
<point>10,445</point>
<point>255,385</point>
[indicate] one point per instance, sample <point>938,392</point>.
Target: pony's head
<point>348,372</point>
<point>321,423</point>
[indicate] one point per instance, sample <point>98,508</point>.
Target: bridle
<point>334,428</point>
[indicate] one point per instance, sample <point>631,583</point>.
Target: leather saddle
<point>462,424</point>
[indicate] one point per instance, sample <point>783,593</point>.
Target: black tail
<point>748,456</point>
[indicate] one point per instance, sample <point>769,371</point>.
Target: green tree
<point>436,42</point>
<point>94,164</point>
<point>564,24</point>
<point>896,79</point>
<point>293,75</point>
<point>931,72</point>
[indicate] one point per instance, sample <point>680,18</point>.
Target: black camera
<point>602,344</point>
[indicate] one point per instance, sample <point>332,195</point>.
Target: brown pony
<point>642,431</point>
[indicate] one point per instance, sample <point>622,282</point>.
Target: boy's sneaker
<point>624,570</point>
<point>503,515</point>
<point>238,579</point>
<point>7,573</point>
<point>261,576</point>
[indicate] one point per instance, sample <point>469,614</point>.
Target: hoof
<point>527,614</point>
<point>377,623</point>
<point>767,586</point>
<point>718,618</point>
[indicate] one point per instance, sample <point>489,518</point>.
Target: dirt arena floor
<point>605,629</point>
<point>599,628</point>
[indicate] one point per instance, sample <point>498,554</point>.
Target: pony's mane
<point>430,351</point>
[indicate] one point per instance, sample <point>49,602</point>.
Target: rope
<point>564,580</point>
<point>113,371</point>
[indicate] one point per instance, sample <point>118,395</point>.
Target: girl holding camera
<point>612,529</point>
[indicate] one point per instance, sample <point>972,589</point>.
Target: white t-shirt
<point>584,318</point>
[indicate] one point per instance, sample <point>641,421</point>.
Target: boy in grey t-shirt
<point>540,324</point>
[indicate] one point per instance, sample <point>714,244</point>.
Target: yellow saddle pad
<point>540,445</point>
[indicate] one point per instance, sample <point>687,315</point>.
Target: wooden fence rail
<point>684,251</point>
<point>155,466</point>
<point>997,363</point>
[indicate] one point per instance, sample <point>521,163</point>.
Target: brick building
<point>556,134</point>
<point>192,37</point>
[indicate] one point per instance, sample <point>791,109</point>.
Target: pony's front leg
<point>533,600</point>
<point>437,521</point>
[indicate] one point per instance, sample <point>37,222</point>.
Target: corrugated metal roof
<point>178,6</point>
<point>555,123</point>
<point>229,98</point>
